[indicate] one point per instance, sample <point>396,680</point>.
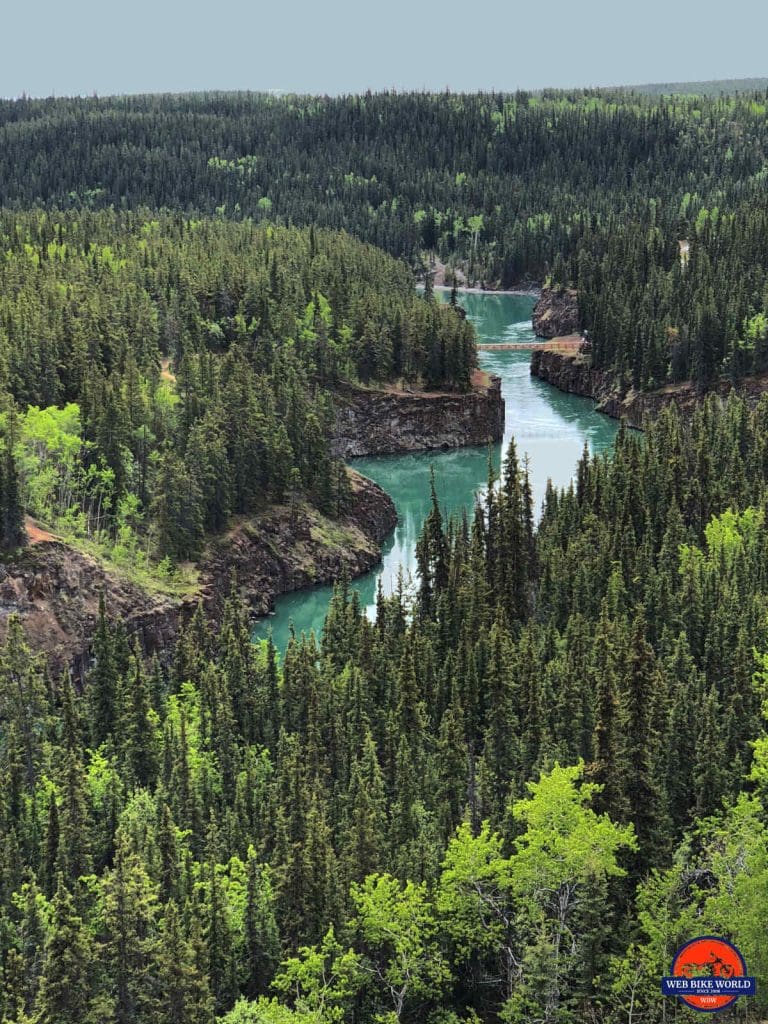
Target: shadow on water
<point>549,427</point>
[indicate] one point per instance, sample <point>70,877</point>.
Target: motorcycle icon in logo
<point>713,967</point>
<point>708,974</point>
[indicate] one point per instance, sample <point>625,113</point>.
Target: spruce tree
<point>262,941</point>
<point>66,986</point>
<point>12,532</point>
<point>183,993</point>
<point>130,941</point>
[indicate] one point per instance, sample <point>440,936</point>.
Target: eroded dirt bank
<point>55,589</point>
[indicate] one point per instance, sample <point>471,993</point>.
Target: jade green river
<point>549,426</point>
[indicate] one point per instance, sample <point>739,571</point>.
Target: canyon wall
<point>571,372</point>
<point>389,421</point>
<point>55,589</point>
<point>556,313</point>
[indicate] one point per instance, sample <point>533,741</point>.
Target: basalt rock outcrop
<point>573,373</point>
<point>570,372</point>
<point>55,589</point>
<point>389,421</point>
<point>287,549</point>
<point>556,312</point>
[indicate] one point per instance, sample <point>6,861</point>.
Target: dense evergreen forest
<point>503,799</point>
<point>594,188</point>
<point>717,87</point>
<point>512,795</point>
<point>163,373</point>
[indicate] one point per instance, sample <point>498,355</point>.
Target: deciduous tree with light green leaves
<point>519,921</point>
<point>558,868</point>
<point>718,885</point>
<point>397,923</point>
<point>477,909</point>
<point>266,1011</point>
<point>322,980</point>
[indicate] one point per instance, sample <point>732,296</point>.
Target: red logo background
<point>708,957</point>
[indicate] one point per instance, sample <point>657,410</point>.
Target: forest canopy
<point>511,796</point>
<point>595,188</point>
<point>168,371</point>
<point>519,787</point>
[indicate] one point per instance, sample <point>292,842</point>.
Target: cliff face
<point>55,589</point>
<point>286,550</point>
<point>556,313</point>
<point>572,373</point>
<point>388,422</point>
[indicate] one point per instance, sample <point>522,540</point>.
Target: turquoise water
<point>548,426</point>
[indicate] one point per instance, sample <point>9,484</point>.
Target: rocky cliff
<point>389,421</point>
<point>285,550</point>
<point>572,372</point>
<point>556,313</point>
<point>55,589</point>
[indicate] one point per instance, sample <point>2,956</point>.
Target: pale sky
<point>65,47</point>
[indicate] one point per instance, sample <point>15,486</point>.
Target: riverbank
<point>439,272</point>
<point>55,588</point>
<point>570,370</point>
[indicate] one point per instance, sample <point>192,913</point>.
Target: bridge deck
<point>567,343</point>
<point>510,346</point>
